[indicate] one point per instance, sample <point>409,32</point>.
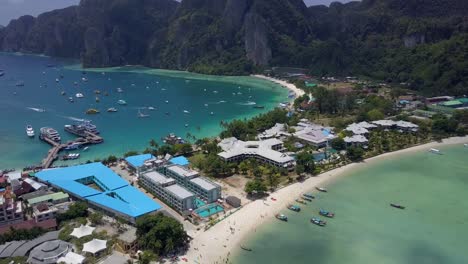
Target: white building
<point>356,140</point>
<point>313,134</point>
<point>266,151</point>
<point>168,190</point>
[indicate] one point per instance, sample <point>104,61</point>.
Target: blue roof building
<point>101,187</point>
<point>138,160</point>
<point>181,160</point>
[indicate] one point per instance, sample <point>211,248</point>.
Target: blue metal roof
<point>116,193</point>
<point>127,200</point>
<point>138,160</point>
<point>181,160</point>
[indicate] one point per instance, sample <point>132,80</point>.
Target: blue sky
<point>10,9</point>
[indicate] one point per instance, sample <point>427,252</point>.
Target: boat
<point>294,208</point>
<point>97,99</point>
<point>97,91</point>
<point>326,213</point>
<point>84,79</point>
<point>166,101</point>
<point>321,189</point>
<point>151,108</point>
<point>122,102</point>
<point>259,107</point>
<point>79,95</point>
<point>309,196</point>
<point>63,93</point>
<point>85,148</point>
<point>435,151</point>
<point>172,139</point>
<point>186,112</point>
<point>112,110</point>
<point>70,99</point>
<point>399,206</point>
<point>70,156</point>
<point>119,90</point>
<point>73,146</point>
<point>19,84</point>
<point>1,73</point>
<point>29,131</point>
<point>281,217</point>
<point>80,128</point>
<point>317,221</point>
<point>465,145</point>
<point>57,80</point>
<point>211,113</point>
<point>106,94</point>
<point>301,201</point>
<point>141,115</point>
<point>50,133</point>
<point>92,111</point>
<point>245,248</point>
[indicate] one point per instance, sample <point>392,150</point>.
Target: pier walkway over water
<point>52,155</point>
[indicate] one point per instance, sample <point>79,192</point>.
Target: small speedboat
<point>121,102</point>
<point>309,196</point>
<point>92,111</point>
<point>79,95</point>
<point>141,115</point>
<point>321,189</point>
<point>119,90</point>
<point>326,213</point>
<point>399,206</point>
<point>1,73</point>
<point>112,110</point>
<point>151,108</point>
<point>301,201</point>
<point>294,208</point>
<point>281,217</point>
<point>85,148</point>
<point>63,93</point>
<point>317,221</point>
<point>29,131</point>
<point>435,151</point>
<point>73,146</point>
<point>186,112</point>
<point>70,99</point>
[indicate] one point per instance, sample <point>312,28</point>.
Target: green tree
<point>375,114</point>
<point>96,218</point>
<point>130,153</point>
<point>338,143</point>
<point>146,257</point>
<point>355,153</point>
<point>255,186</point>
<point>306,160</point>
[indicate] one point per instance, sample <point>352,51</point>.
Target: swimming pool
<point>199,203</point>
<point>209,210</point>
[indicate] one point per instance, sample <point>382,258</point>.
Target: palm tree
<point>153,143</point>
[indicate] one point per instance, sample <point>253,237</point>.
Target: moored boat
<point>259,107</point>
<point>326,213</point>
<point>70,99</point>
<point>281,217</point>
<point>112,110</point>
<point>301,201</point>
<point>317,221</point>
<point>73,146</point>
<point>92,111</point>
<point>29,131</point>
<point>79,95</point>
<point>465,145</point>
<point>121,102</point>
<point>141,115</point>
<point>399,206</point>
<point>309,196</point>
<point>321,189</point>
<point>71,156</point>
<point>294,208</point>
<point>435,151</point>
<point>50,133</point>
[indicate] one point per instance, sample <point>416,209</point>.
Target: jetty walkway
<point>52,155</point>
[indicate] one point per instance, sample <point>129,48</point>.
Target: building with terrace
<point>266,151</point>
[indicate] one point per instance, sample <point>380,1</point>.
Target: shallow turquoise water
<point>226,97</point>
<point>432,229</point>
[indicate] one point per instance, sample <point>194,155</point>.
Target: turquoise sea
<point>432,229</point>
<point>45,78</point>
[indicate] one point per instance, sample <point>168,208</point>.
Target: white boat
<point>215,92</point>
<point>85,148</point>
<point>70,99</point>
<point>466,145</point>
<point>29,131</point>
<point>79,95</point>
<point>151,108</point>
<point>121,102</point>
<point>119,90</point>
<point>141,115</point>
<point>206,105</point>
<point>84,79</point>
<point>211,113</point>
<point>166,102</point>
<point>57,80</point>
<point>112,110</point>
<point>435,151</point>
<point>186,112</point>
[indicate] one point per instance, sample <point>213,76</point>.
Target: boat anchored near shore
<point>281,217</point>
<point>30,131</point>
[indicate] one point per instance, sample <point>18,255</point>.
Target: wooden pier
<point>52,155</point>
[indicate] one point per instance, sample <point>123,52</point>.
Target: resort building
<point>49,252</point>
<point>313,134</point>
<point>102,189</point>
<point>266,151</point>
<point>361,128</point>
<point>140,163</point>
<point>168,190</point>
<point>43,212</point>
<point>191,180</point>
<point>356,140</point>
<point>278,130</point>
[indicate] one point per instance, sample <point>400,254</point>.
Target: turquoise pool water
<point>199,203</point>
<point>209,210</point>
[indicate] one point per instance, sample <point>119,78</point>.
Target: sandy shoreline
<point>219,242</point>
<point>298,92</point>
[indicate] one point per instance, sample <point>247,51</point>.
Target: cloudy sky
<point>10,9</point>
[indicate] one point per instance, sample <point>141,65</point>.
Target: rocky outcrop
<point>256,39</point>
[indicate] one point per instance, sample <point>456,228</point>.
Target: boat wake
<point>248,103</point>
<point>75,118</point>
<point>39,110</point>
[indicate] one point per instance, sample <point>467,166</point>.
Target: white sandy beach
<point>219,242</point>
<point>285,84</point>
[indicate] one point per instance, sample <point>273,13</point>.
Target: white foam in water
<point>39,110</point>
<point>75,118</point>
